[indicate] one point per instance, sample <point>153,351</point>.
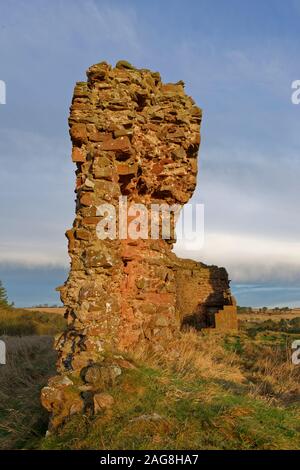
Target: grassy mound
<point>208,391</point>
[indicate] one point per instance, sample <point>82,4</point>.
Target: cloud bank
<point>236,66</point>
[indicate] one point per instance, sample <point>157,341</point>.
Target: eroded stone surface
<point>137,137</point>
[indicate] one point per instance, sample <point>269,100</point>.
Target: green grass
<point>146,416</point>
<point>290,327</point>
<point>217,391</point>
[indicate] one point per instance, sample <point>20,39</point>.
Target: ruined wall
<point>201,291</point>
<point>132,136</point>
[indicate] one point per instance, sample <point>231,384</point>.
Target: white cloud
<point>249,163</point>
<point>247,258</point>
<point>39,254</point>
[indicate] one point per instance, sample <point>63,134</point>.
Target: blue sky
<point>238,60</point>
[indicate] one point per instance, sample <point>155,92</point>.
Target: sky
<point>238,60</point>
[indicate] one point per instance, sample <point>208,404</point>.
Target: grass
<point>19,322</point>
<point>30,362</point>
<point>208,391</point>
<point>215,391</point>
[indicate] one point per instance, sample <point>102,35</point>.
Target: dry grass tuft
<point>274,376</point>
<point>195,355</point>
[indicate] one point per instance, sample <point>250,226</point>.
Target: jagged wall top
<point>141,134</point>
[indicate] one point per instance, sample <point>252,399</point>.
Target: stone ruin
<point>137,137</point>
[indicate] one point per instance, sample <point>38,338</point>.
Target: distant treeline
<point>265,310</point>
<point>47,306</point>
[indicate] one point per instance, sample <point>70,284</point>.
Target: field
<point>59,310</point>
<point>208,391</point>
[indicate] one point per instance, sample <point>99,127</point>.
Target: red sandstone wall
<point>132,136</point>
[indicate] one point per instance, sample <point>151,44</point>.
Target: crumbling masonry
<point>132,136</point>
